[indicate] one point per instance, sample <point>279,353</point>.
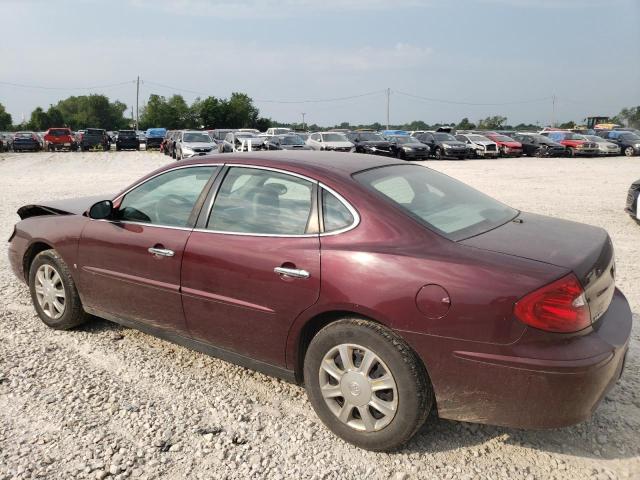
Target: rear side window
<point>335,214</point>
<point>262,202</point>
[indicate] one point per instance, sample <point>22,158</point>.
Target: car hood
<point>337,144</point>
<point>553,144</point>
<point>71,206</point>
<point>198,144</point>
<point>454,144</point>
<point>374,143</point>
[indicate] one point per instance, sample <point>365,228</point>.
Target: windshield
<point>95,131</point>
<point>439,202</point>
<point>370,137</point>
<point>404,139</point>
<point>126,133</point>
<point>196,137</point>
<point>334,137</point>
<point>478,138</point>
<point>445,137</point>
<point>24,135</point>
<point>291,140</point>
<point>280,131</point>
<point>630,137</point>
<point>595,138</point>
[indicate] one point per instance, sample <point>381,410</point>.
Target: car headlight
<point>447,146</point>
<point>187,149</point>
<point>637,145</point>
<point>407,149</point>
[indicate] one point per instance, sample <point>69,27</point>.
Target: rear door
<point>130,266</point>
<point>252,265</point>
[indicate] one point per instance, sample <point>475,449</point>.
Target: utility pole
<point>388,100</point>
<point>137,99</point>
<point>553,110</point>
<point>303,114</point>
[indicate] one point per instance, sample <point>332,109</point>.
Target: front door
<point>254,266</point>
<point>130,266</point>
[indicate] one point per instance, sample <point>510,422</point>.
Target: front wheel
<point>366,384</point>
<point>53,292</point>
<point>628,152</point>
<point>438,154</point>
<point>571,152</point>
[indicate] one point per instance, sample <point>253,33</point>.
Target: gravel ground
<point>106,401</point>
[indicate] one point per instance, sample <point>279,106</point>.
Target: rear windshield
<point>196,137</point>
<point>95,131</point>
<point>59,132</point>
<point>126,133</point>
<point>439,202</point>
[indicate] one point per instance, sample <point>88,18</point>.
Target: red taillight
<point>560,306</point>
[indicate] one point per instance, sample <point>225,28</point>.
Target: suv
<point>333,141</point>
<point>127,139</point>
<point>59,138</point>
<point>442,144</point>
<point>191,143</point>
<point>575,143</point>
<point>92,137</point>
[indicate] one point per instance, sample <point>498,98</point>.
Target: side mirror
<point>101,210</point>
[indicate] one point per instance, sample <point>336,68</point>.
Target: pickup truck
<point>94,137</point>
<point>59,139</point>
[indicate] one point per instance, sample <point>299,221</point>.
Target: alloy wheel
<point>358,387</point>
<point>628,151</point>
<point>50,291</point>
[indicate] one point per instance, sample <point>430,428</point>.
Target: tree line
<point>237,111</point>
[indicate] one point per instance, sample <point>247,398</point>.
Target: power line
<point>453,102</point>
<point>322,100</point>
<point>41,87</point>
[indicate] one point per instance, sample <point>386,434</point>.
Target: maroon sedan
<point>387,288</point>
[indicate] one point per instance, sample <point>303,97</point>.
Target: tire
<point>411,392</point>
<point>400,154</point>
<point>438,154</point>
<point>72,313</point>
<point>571,152</point>
<point>628,152</point>
<point>173,154</point>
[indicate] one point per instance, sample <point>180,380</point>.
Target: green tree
<point>465,124</point>
<point>240,111</point>
<point>55,117</point>
<point>631,116</point>
<point>172,113</point>
<point>39,120</point>
<point>92,111</point>
<point>491,123</point>
<point>566,125</point>
<point>5,119</point>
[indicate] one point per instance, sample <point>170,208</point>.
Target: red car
<point>507,146</point>
<point>387,288</point>
<point>575,143</point>
<point>59,139</point>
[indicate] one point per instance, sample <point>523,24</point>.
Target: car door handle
<point>161,252</point>
<point>292,272</point>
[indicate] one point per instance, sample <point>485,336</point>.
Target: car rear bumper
<point>154,142</point>
<point>128,144</point>
<point>533,383</point>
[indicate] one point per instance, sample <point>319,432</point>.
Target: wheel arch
<point>30,254</point>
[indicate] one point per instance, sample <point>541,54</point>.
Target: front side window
<point>335,214</point>
<point>443,204</point>
<point>167,199</point>
<point>256,201</point>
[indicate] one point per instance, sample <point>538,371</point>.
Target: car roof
<point>315,164</point>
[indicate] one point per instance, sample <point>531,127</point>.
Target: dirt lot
<point>108,401</point>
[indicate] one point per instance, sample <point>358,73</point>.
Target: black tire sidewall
<point>412,409</point>
<point>73,313</point>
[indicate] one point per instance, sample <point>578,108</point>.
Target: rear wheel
<point>571,152</point>
<point>366,384</point>
<point>53,292</point>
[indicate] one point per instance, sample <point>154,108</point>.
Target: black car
<point>535,145</point>
<point>633,198</point>
<point>629,142</point>
<point>286,142</point>
<point>26,141</point>
<point>443,145</point>
<point>407,148</point>
<point>94,137</point>
<point>370,142</point>
<point>127,140</point>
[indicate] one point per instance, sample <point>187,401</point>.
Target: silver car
<point>191,143</point>
<point>334,141</point>
<point>479,145</point>
<point>605,147</point>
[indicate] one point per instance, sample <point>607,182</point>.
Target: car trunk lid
<point>583,249</point>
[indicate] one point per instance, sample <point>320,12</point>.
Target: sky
<point>462,58</point>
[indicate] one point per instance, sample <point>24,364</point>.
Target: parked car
<point>628,142</point>
<point>333,141</point>
<point>219,134</point>
<point>275,131</point>
<point>394,132</point>
<point>286,142</point>
<point>59,139</point>
<point>127,140</point>
<point>154,137</point>
<point>605,147</point>
<point>94,137</point>
<point>370,142</point>
<point>508,317</point>
<point>633,203</point>
<point>479,145</point>
<point>6,141</point>
<point>442,144</point>
<point>406,147</point>
<point>507,146</point>
<point>191,143</point>
<point>303,135</point>
<point>575,143</point>
<point>142,137</point>
<point>26,141</point>
<point>169,143</point>
<point>241,142</point>
<point>536,145</point>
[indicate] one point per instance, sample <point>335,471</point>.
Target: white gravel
<point>104,401</point>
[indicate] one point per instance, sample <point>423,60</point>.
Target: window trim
<point>198,205</point>
<point>341,199</point>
